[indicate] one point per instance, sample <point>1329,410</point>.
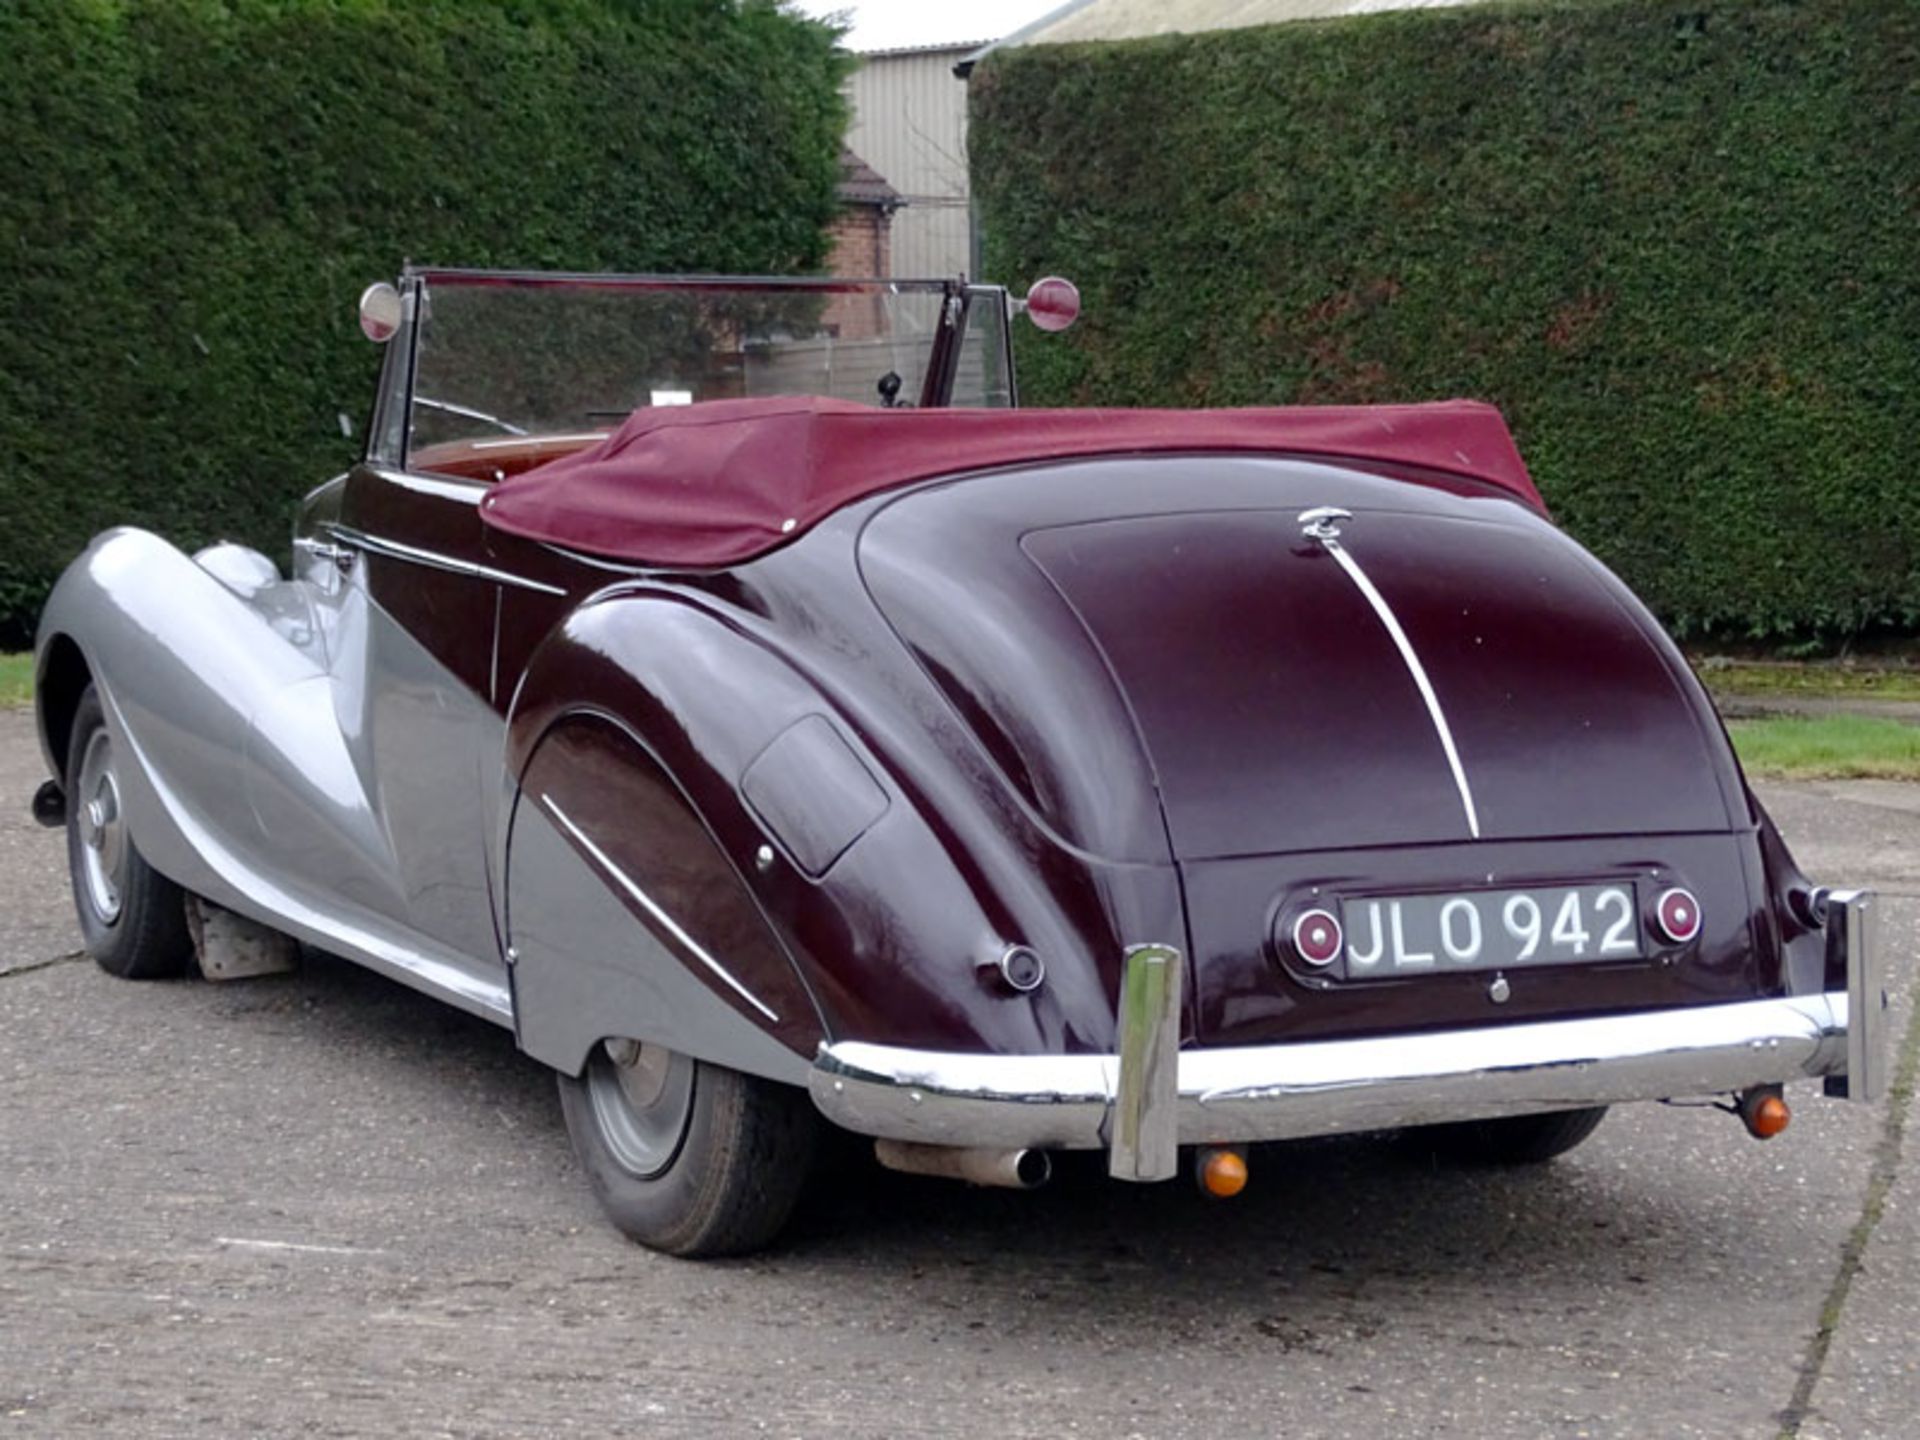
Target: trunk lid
<point>1279,715</point>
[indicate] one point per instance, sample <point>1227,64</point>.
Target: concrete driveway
<point>321,1203</point>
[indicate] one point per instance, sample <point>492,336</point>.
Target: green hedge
<point>196,191</point>
<point>1679,243</point>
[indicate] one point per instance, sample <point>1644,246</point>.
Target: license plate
<point>1394,935</point>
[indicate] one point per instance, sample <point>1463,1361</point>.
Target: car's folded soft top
<point>717,483</point>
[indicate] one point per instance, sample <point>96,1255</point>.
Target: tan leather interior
<point>492,460</point>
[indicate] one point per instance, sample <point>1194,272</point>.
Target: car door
<point>410,647</point>
<point>406,614</point>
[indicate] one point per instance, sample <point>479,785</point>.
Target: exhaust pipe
<point>1011,1169</point>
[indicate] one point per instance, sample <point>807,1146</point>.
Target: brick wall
<point>859,250</point>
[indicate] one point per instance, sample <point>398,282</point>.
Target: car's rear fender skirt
<point>888,891</point>
<point>626,919</point>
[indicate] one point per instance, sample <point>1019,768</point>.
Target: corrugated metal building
<point>910,112</point>
<point>910,124</point>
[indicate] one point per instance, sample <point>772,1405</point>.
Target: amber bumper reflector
<point>1768,1116</point>
<point>1223,1173</point>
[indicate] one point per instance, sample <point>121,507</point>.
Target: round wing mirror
<point>1052,303</point>
<point>380,312</point>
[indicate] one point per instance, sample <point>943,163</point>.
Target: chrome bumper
<point>1141,1108</point>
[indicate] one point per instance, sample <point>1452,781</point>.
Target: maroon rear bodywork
<point>1101,701</point>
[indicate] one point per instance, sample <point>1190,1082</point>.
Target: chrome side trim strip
<point>651,906</point>
<point>1331,543</point>
<point>1327,1087</point>
<point>468,492</point>
<point>1145,1143</point>
<point>376,545</point>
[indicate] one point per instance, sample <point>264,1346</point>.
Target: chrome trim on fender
<point>1145,1143</point>
<point>646,902</point>
<point>1326,1087</point>
<point>375,545</point>
<point>1320,525</point>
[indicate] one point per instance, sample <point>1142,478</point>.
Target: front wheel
<point>1510,1140</point>
<point>133,920</point>
<point>686,1157</point>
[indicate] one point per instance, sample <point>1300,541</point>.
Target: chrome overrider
<point>1139,1107</point>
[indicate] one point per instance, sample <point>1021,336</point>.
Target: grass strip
<point>1831,747</point>
<point>1811,681</point>
<point>16,680</point>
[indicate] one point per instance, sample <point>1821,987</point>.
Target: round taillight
<point>1053,303</point>
<point>1316,937</point>
<point>1677,914</point>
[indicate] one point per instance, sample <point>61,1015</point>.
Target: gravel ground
<point>322,1204</point>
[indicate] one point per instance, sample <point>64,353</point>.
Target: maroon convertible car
<point>723,685</point>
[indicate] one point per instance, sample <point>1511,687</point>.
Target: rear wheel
<point>133,920</point>
<point>1510,1140</point>
<point>687,1157</point>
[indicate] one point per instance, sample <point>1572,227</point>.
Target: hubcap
<point>103,833</point>
<point>642,1097</point>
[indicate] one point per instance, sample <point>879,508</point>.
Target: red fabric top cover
<point>711,484</point>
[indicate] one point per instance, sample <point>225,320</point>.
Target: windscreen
<point>496,359</point>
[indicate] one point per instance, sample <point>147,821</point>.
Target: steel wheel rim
<point>104,847</point>
<point>642,1098</point>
